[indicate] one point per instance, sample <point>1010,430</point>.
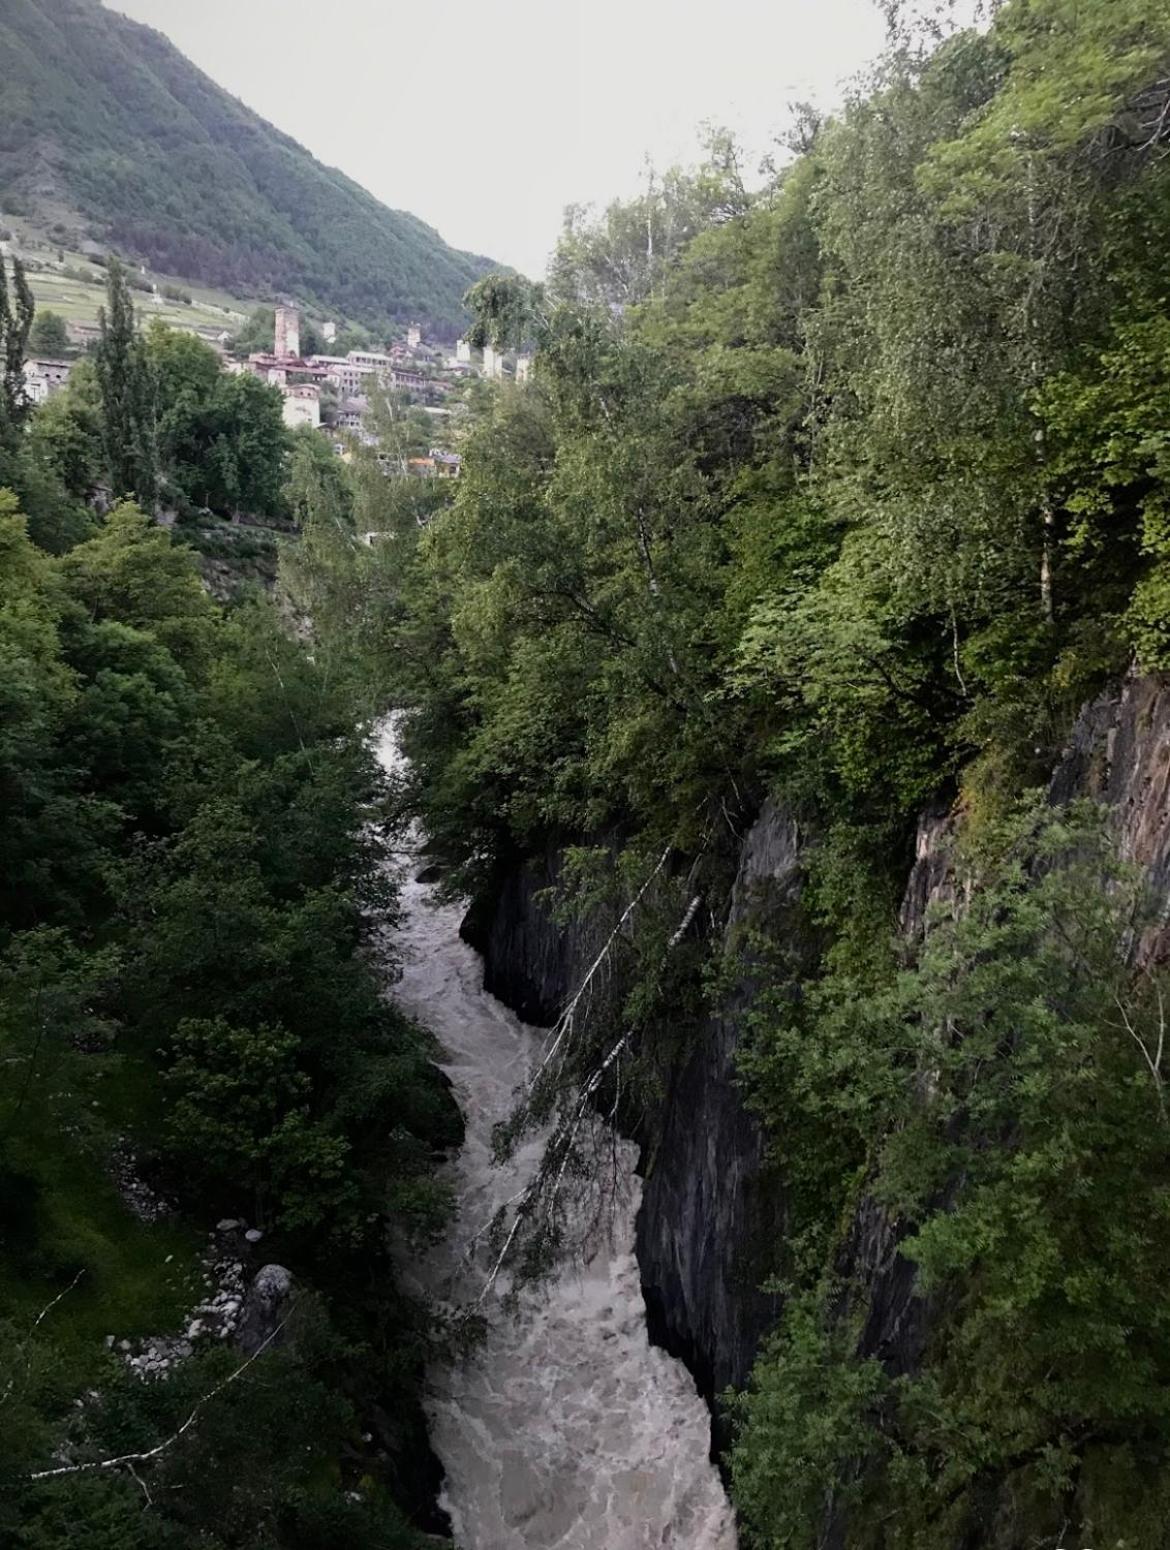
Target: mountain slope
<point>106,129</point>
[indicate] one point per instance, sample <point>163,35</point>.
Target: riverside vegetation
<point>190,860</point>
<point>850,492</point>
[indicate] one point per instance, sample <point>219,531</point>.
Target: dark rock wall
<point>706,1225</point>
<point>530,963</point>
<point>1119,754</point>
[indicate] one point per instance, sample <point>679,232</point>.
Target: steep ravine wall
<point>708,1216</point>
<point>530,962</point>
<point>705,1223</point>
<point>708,1211</point>
<point>1118,754</point>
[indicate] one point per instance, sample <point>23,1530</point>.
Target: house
<point>463,352</point>
<point>351,412</point>
<point>370,361</point>
<point>43,378</point>
<point>279,372</point>
<point>302,405</point>
<point>345,377</point>
<point>493,363</point>
<point>436,465</point>
<point>523,368</point>
<point>347,380</point>
<point>416,382</point>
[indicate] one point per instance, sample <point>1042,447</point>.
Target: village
<point>334,393</point>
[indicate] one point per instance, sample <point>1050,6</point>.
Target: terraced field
<point>74,287</point>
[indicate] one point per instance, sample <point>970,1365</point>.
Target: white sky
<point>487,117</point>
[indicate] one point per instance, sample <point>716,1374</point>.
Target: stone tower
<point>288,332</point>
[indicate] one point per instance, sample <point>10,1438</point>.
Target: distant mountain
<point>107,131</point>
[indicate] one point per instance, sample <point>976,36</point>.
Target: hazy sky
<point>487,117</point>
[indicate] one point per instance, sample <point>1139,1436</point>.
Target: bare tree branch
<point>36,1324</point>
<point>145,1457</point>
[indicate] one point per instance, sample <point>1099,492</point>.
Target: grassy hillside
<point>106,130</point>
<point>75,288</point>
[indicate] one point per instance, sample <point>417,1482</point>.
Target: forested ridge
<point>194,914</point>
<point>107,131</point>
<point>849,494</point>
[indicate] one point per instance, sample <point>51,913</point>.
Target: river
<point>564,1429</point>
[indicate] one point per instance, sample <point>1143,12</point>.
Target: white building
<point>493,363</point>
<point>523,368</point>
<point>347,380</point>
<point>43,378</point>
<point>351,413</point>
<point>463,352</point>
<point>413,337</point>
<point>302,405</point>
<point>370,361</point>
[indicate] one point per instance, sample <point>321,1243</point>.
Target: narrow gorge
<point>636,917</point>
<point>711,1218</point>
<point>562,1428</point>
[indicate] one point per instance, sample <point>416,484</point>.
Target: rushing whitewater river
<point>564,1429</point>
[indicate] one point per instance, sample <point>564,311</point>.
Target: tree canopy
<point>848,493</point>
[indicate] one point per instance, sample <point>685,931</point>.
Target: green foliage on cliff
<point>103,118</point>
<point>852,499</point>
<point>1001,1100</point>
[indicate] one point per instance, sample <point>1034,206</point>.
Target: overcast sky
<point>487,117</point>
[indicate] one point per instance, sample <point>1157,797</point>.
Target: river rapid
<point>564,1429</point>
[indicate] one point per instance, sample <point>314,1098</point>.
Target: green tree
<point>221,437</point>
<point>131,572</point>
<point>239,1112</point>
<point>16,316</point>
<point>48,335</point>
<point>258,334</point>
<point>127,396</point>
<point>66,433</point>
<point>622,257</point>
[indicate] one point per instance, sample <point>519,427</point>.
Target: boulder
<point>265,1306</point>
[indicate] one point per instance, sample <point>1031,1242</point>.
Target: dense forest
<point>840,497</point>
<point>848,494</point>
<point>106,131</point>
<point>193,903</point>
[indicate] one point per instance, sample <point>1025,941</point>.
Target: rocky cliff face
<point>1118,754</point>
<point>708,1212</point>
<point>705,1223</point>
<point>530,962</point>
